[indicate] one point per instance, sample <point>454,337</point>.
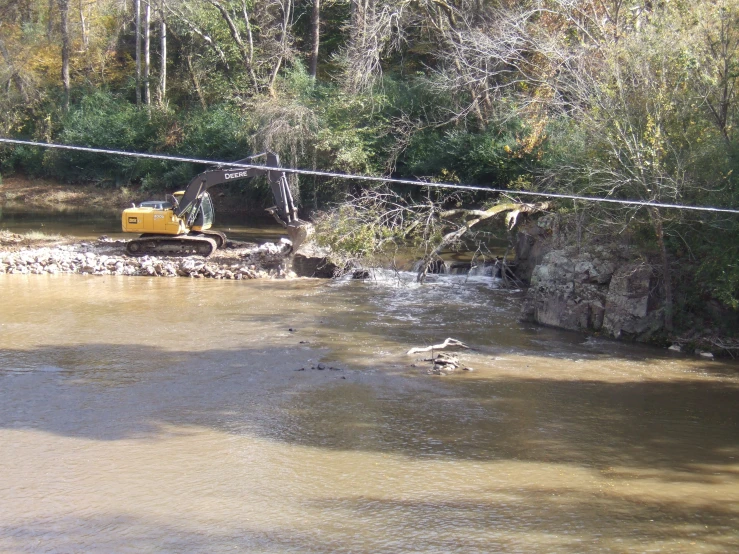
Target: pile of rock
<point>107,258</point>
<point>443,364</point>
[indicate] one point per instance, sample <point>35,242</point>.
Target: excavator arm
<point>284,209</point>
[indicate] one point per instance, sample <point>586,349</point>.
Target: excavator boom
<point>284,208</point>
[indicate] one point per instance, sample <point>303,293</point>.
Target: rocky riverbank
<point>603,290</point>
<point>20,255</point>
<point>608,288</point>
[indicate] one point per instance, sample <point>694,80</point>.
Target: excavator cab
<point>205,217</point>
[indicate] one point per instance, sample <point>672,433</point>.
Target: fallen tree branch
<point>514,208</point>
<point>447,343</point>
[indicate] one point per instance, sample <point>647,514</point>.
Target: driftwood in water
<point>444,364</point>
<point>446,344</point>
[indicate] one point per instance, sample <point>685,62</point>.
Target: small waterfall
<point>479,268</point>
<point>459,268</point>
<point>476,269</point>
<point>436,267</point>
<point>485,269</point>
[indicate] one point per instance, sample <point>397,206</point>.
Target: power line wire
<point>638,203</point>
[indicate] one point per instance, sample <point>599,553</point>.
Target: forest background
<point>612,98</point>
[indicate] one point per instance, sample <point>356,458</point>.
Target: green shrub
<point>218,133</point>
<point>105,121</point>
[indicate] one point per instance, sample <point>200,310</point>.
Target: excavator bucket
<point>299,232</point>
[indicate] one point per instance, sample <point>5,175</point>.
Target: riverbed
<point>177,415</point>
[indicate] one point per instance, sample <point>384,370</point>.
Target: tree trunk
<point>137,9</point>
<point>85,27</point>
<point>163,59</point>
<point>247,55</point>
<point>147,53</point>
<point>666,273</point>
<point>26,12</point>
<point>206,37</point>
<point>195,82</point>
<point>14,76</point>
<point>50,22</point>
<point>64,17</point>
<point>315,23</point>
<point>287,7</point>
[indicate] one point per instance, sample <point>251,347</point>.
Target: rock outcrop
<point>602,289</point>
<point>534,240</point>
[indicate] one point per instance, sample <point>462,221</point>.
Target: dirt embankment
<point>48,195</point>
<point>41,194</point>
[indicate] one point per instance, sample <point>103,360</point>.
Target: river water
<point>174,415</point>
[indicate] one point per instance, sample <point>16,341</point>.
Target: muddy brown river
<point>184,416</point>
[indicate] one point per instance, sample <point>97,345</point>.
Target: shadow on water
<point>539,511</point>
<point>663,434</point>
<point>505,459</point>
<point>110,392</point>
<point>685,429</point>
<point>405,526</point>
<point>127,533</point>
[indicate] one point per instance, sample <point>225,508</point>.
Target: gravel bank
<point>108,257</point>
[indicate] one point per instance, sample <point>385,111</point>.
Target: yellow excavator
<point>181,224</point>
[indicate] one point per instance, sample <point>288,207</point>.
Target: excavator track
<point>169,245</point>
<point>217,236</point>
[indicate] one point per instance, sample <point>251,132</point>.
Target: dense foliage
<point>618,98</point>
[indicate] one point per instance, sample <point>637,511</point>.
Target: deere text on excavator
<point>181,224</point>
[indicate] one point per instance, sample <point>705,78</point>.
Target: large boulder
<point>533,242</point>
<point>313,261</point>
<point>596,291</point>
<point>628,303</point>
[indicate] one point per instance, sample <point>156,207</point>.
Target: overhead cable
<point>638,203</point>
